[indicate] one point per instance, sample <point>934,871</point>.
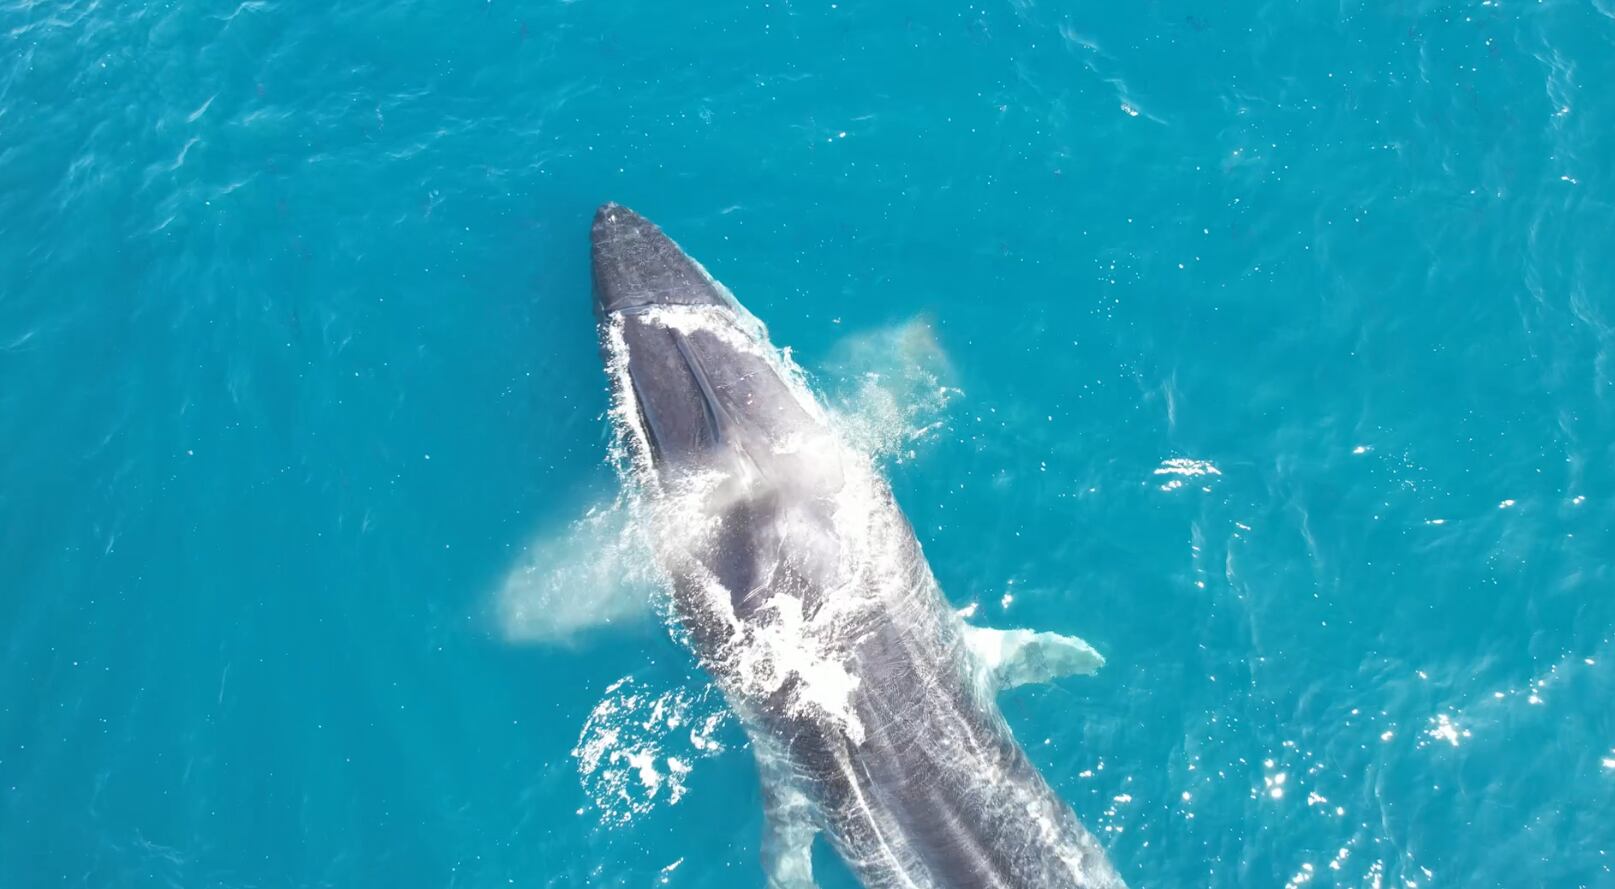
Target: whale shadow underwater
<point>800,587</point>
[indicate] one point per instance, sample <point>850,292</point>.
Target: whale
<point>800,587</point>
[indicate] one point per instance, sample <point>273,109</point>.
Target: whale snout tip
<point>612,215</point>
<point>616,241</point>
<point>636,266</point>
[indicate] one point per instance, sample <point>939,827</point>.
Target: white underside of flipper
<point>789,825</point>
<point>1022,657</point>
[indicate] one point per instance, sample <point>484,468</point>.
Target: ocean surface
<point>1268,347</point>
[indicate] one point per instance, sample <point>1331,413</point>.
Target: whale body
<point>800,587</point>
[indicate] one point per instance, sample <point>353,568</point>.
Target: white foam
<point>1443,728</point>
<point>790,646</point>
<point>1186,467</point>
<point>1182,468</point>
<point>638,747</point>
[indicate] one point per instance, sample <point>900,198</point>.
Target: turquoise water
<point>298,371</point>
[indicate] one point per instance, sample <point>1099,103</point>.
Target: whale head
<point>706,388</point>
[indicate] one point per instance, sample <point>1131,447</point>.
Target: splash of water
<point>891,388</point>
<point>640,743</point>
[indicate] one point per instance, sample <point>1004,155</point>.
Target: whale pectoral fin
<point>579,579</point>
<point>789,825</point>
<point>788,855</point>
<point>1021,657</point>
<point>788,832</point>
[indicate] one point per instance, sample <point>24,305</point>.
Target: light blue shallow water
<point>297,362</point>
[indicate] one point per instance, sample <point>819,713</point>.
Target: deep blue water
<point>297,362</point>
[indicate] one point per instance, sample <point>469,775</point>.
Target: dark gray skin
<point>931,789</point>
